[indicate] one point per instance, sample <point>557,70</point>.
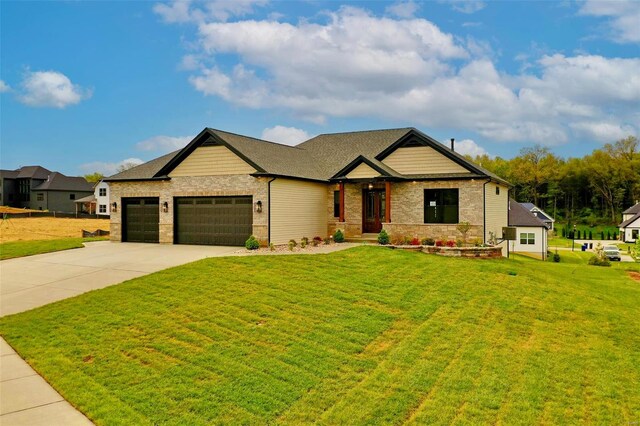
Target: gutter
<point>484,211</point>
<point>269,210</point>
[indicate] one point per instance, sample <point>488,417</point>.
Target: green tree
<point>94,177</point>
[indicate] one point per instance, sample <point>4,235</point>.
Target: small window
<point>527,238</point>
<point>40,196</point>
<point>72,196</point>
<point>497,190</point>
<point>102,192</point>
<point>634,234</point>
<point>336,203</point>
<point>441,205</point>
<point>102,208</point>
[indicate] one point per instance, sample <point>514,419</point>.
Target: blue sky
<point>88,85</point>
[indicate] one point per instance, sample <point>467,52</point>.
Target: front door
<point>373,210</point>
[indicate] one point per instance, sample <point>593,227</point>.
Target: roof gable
<point>521,216</point>
<point>360,165</point>
<point>631,221</point>
<point>633,209</point>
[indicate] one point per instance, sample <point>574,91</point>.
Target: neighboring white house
<point>630,226</point>
<point>102,198</point>
<point>540,214</point>
<point>531,232</point>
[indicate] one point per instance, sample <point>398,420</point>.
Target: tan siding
<point>421,160</point>
<point>298,209</point>
<point>212,161</point>
<point>362,171</point>
<point>496,211</point>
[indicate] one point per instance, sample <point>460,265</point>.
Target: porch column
<point>341,202</point>
<point>387,198</point>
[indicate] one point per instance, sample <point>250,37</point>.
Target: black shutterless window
<point>336,203</point>
<point>441,205</point>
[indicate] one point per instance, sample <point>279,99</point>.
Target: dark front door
<point>373,210</point>
<point>222,221</point>
<point>141,220</point>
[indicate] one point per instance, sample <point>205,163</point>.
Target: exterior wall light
<point>370,186</point>
<point>258,206</point>
<point>165,207</point>
<point>114,207</point>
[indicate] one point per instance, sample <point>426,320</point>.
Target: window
<point>336,203</point>
<point>527,238</point>
<point>40,196</point>
<point>497,190</point>
<point>441,205</point>
<point>72,196</point>
<point>102,208</point>
<point>102,192</point>
<point>634,234</point>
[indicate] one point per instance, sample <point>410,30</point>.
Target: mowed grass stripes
<point>364,336</point>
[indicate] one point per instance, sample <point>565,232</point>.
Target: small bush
<point>338,236</point>
<point>428,242</point>
<point>459,242</point>
<point>272,247</point>
<point>316,241</point>
<point>590,235</point>
<point>415,241</point>
<point>304,241</point>
<point>252,243</point>
<point>293,242</point>
<point>556,257</point>
<point>439,243</point>
<point>303,244</point>
<point>599,261</point>
<point>564,232</point>
<point>450,243</point>
<point>327,241</point>
<point>383,238</point>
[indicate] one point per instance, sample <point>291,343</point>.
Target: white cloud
<point>163,144</point>
<point>285,135</point>
<point>466,6</point>
<point>403,9</point>
<point>182,11</point>
<point>408,70</point>
<point>469,147</point>
<point>50,89</point>
<point>108,169</point>
<point>4,87</point>
<point>603,131</point>
<point>624,18</point>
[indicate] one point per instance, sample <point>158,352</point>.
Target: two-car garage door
<point>197,220</point>
<point>223,221</point>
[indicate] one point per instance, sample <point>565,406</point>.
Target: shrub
<point>464,228</point>
<point>272,247</point>
<point>635,251</point>
<point>428,242</point>
<point>599,258</point>
<point>305,240</point>
<point>252,243</point>
<point>564,233</point>
<point>383,238</point>
<point>415,241</point>
<point>602,235</point>
<point>459,242</point>
<point>327,241</point>
<point>303,244</point>
<point>450,243</point>
<point>316,241</point>
<point>556,257</point>
<point>615,235</point>
<point>292,244</point>
<point>439,243</point>
<point>590,235</point>
<point>338,236</point>
<point>477,242</point>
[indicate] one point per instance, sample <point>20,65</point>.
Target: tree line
<point>594,189</point>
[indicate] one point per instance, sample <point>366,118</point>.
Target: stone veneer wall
<point>407,210</point>
<point>201,186</point>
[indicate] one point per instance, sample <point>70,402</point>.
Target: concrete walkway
<point>32,281</point>
<point>29,282</point>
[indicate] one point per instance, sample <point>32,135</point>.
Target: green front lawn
<point>364,336</point>
<point>29,248</point>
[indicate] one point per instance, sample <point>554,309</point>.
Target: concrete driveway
<point>29,282</point>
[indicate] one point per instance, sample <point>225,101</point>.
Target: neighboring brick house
<point>34,187</point>
<point>222,187</point>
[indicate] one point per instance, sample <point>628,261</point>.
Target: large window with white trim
<point>527,238</point>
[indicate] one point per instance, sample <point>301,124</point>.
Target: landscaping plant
<point>599,258</point>
<point>383,238</point>
<point>252,243</point>
<point>338,236</point>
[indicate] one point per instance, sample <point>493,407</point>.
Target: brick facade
<point>202,186</point>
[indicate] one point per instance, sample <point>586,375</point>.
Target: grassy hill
<point>364,336</point>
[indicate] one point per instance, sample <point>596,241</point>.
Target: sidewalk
<point>27,399</point>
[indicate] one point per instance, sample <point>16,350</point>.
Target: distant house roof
<point>88,199</point>
<point>633,209</point>
<point>33,172</point>
<point>59,182</point>
<point>320,158</point>
<point>9,174</point>
<point>519,215</point>
<point>538,212</point>
<point>629,221</point>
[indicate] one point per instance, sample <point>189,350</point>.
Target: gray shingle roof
<point>318,158</point>
<point>33,172</point>
<point>633,209</point>
<point>629,221</point>
<point>520,216</point>
<point>59,182</point>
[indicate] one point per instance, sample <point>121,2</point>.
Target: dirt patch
<point>47,228</point>
<point>635,275</point>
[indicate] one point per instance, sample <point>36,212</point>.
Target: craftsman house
<point>223,187</point>
<point>630,226</point>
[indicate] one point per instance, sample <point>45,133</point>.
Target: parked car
<point>612,253</point>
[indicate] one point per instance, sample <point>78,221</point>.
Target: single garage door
<point>141,220</point>
<point>222,221</point>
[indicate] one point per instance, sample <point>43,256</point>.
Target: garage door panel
<point>141,219</point>
<point>213,220</point>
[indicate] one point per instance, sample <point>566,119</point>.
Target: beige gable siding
<point>421,160</point>
<point>496,211</point>
<point>298,209</point>
<point>362,171</point>
<point>212,161</point>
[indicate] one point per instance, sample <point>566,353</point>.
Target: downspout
<point>269,211</point>
<point>484,211</point>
